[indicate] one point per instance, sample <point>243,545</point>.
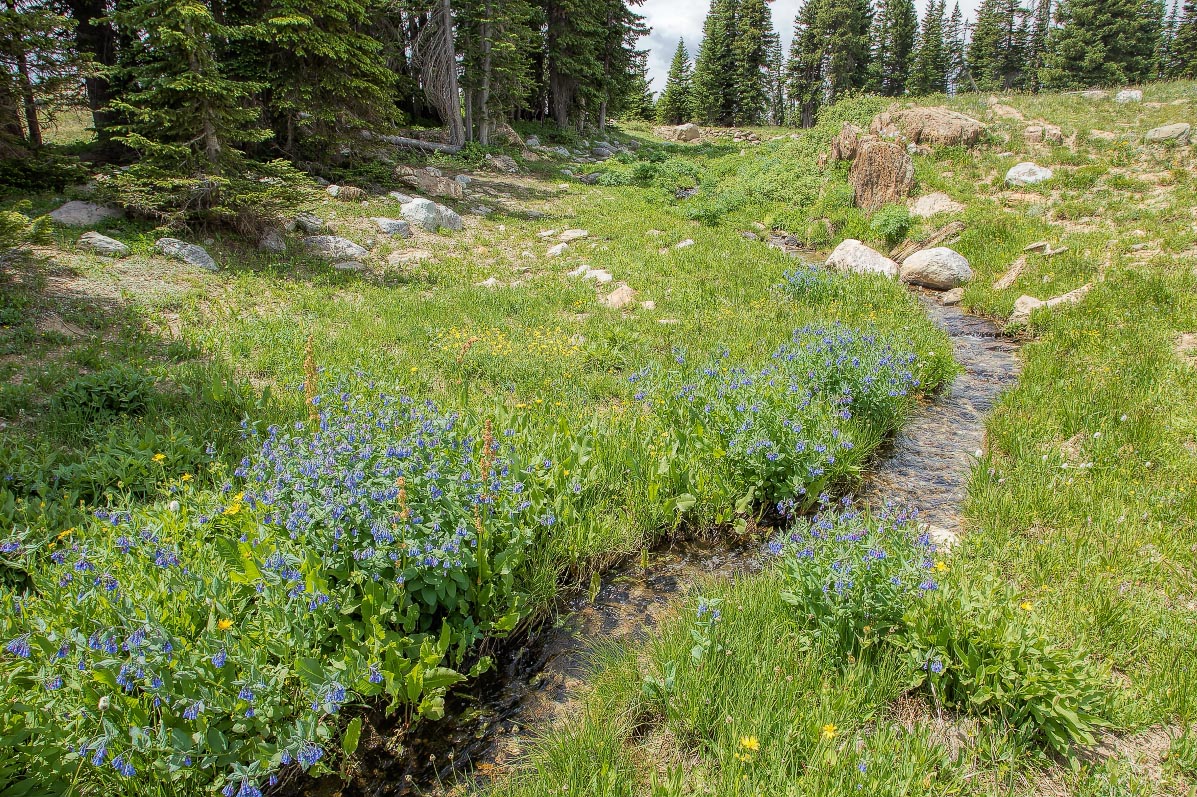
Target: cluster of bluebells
<point>809,282</point>
<point>853,575</point>
<point>788,427</point>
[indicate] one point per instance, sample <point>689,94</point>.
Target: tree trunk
<point>484,98</point>
<point>33,129</point>
<point>455,122</point>
<point>95,37</point>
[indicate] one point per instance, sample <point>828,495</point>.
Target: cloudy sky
<point>674,19</point>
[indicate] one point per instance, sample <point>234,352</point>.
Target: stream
<point>926,465</point>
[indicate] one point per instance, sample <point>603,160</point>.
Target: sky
<point>674,19</point>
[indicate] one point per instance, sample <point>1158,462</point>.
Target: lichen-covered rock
<point>1179,132</point>
<point>84,214</point>
<point>192,254</point>
<point>940,268</point>
<point>881,174</point>
<point>395,227</point>
<point>1027,173</point>
<point>102,245</point>
<point>334,247</point>
<point>933,126</point>
<point>853,256</point>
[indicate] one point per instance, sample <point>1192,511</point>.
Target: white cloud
<point>674,19</point>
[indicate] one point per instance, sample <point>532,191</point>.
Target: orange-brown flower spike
<point>404,510</point>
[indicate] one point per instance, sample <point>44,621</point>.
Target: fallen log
<point>415,143</point>
<point>943,234</point>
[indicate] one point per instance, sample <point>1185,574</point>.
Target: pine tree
<point>324,79</point>
<point>637,101</point>
<point>998,50</point>
<point>931,63</point>
<point>1167,65</point>
<point>574,65</point>
<point>754,38</point>
<point>1102,43</point>
<point>804,70</point>
<point>954,37</point>
<point>183,113</point>
<point>897,24</point>
<point>777,83</point>
<point>1037,44</point>
<point>1184,43</point>
<point>714,92</point>
<point>675,105</point>
<point>496,40</point>
<point>38,68</point>
<point>845,26</point>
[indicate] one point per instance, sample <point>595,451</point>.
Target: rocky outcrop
<point>932,126</point>
<point>1180,132</point>
<point>881,174</point>
<point>430,181</point>
<point>941,269</point>
<point>430,215</point>
<point>854,257</point>
<point>102,245</point>
<point>846,144</point>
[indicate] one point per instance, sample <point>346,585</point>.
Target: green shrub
<point>44,172</point>
<point>977,648</point>
<point>891,223</point>
<point>120,390</point>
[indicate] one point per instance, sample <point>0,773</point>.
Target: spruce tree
<point>714,93</point>
<point>845,25</point>
<point>954,37</point>
<point>39,68</point>
<point>804,70</point>
<point>675,105</point>
<point>183,113</point>
<point>1037,43</point>
<point>754,38</point>
<point>777,83</point>
<point>1167,66</point>
<point>1184,43</point>
<point>893,52</point>
<point>1102,43</point>
<point>573,53</point>
<point>998,50</point>
<point>930,73</point>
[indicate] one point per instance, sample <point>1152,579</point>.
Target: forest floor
<point>1082,501</point>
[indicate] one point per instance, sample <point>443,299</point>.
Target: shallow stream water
<point>926,465</point>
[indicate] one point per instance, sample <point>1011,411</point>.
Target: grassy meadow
<point>564,435</point>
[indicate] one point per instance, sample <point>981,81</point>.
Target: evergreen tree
<point>38,69</point>
<point>1167,66</point>
<point>323,77</point>
<point>893,46</point>
<point>777,83</point>
<point>750,49</point>
<point>675,105</point>
<point>829,55</point>
<point>955,35</point>
<point>804,70</point>
<point>574,59</point>
<point>1184,43</point>
<point>496,40</point>
<point>998,51</point>
<point>931,63</point>
<point>1102,43</point>
<point>1037,43</point>
<point>183,113</point>
<point>714,92</point>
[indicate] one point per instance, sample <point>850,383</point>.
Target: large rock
<point>188,253</point>
<point>504,163</point>
<point>1129,95</point>
<point>84,214</point>
<point>933,126</point>
<point>1027,173</point>
<point>940,268</point>
<point>102,245</point>
<point>397,227</point>
<point>1039,133</point>
<point>933,204</point>
<point>687,132</point>
<point>853,256</point>
<point>430,181</point>
<point>309,223</point>
<point>1025,305</point>
<point>335,248</point>
<point>882,174</point>
<point>845,145</point>
<point>1179,132</point>
<point>430,215</point>
<point>272,241</point>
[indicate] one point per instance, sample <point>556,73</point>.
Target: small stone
<point>620,298</point>
<point>933,204</point>
<point>853,256</point>
<point>1038,246</point>
<point>333,191</point>
<point>84,214</point>
<point>952,297</point>
<point>334,247</point>
<point>399,197</point>
<point>532,142</point>
<point>648,305</point>
<point>309,222</point>
<point>188,253</point>
<point>557,250</point>
<point>1028,173</point>
<point>1095,94</point>
<point>1179,132</point>
<point>490,282</point>
<point>102,245</point>
<point>687,132</point>
<point>463,179</point>
<point>410,256</point>
<point>749,236</point>
<point>1023,307</point>
<point>940,268</point>
<point>349,265</point>
<point>272,241</point>
<point>580,271</point>
<point>686,244</point>
<point>393,227</point>
<point>600,276</point>
<point>1129,95</point>
<point>573,235</point>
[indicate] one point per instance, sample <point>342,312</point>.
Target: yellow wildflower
<point>750,743</point>
<point>159,457</point>
<point>66,532</point>
<point>186,477</point>
<point>940,567</point>
<point>1026,606</point>
<point>829,731</point>
<point>224,625</point>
